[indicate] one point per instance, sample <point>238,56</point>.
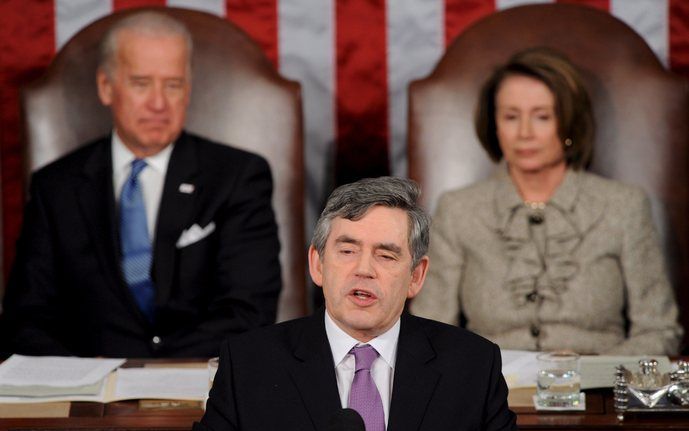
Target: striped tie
<point>135,242</point>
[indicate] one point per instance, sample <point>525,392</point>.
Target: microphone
<point>346,420</point>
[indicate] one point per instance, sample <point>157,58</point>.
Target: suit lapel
<point>313,372</point>
<point>174,213</point>
<point>97,203</point>
<point>415,380</point>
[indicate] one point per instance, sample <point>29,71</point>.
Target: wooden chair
<point>641,112</point>
<point>237,98</point>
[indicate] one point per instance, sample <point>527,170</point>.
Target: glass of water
<point>559,381</point>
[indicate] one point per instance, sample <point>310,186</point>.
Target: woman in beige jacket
<point>543,255</point>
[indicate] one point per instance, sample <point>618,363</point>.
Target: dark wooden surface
<point>117,415</point>
<point>130,415</point>
<point>599,415</point>
<point>160,421</point>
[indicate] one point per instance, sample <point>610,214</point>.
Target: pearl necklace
<point>534,205</point>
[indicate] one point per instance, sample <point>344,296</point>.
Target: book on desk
<point>32,379</point>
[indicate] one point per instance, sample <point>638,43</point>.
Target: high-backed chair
<point>237,98</point>
<point>641,112</point>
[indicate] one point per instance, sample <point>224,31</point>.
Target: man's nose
<point>157,99</point>
<point>364,266</point>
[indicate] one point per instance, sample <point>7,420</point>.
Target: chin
<point>530,167</point>
<point>160,141</point>
<point>360,322</point>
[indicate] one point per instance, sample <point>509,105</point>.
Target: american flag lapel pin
<point>186,188</point>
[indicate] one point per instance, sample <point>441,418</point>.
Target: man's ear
<point>315,266</point>
<point>418,275</point>
<point>104,87</point>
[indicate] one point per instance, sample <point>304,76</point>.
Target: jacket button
<point>535,331</point>
<point>156,340</point>
<point>532,297</point>
<point>535,219</point>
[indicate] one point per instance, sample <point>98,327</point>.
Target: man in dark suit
<point>400,372</point>
<point>149,242</point>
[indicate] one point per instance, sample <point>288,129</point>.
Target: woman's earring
<point>568,142</point>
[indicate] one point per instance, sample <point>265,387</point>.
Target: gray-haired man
<point>151,241</point>
<point>363,352</point>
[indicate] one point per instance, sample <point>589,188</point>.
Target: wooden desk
<point>118,415</point>
<point>129,415</point>
<point>599,415</point>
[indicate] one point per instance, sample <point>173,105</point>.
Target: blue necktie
<point>135,242</point>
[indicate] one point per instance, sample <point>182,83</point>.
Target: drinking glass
<point>559,381</point>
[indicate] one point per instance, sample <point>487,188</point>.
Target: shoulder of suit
<point>451,338</point>
<point>271,336</point>
<point>472,195</point>
<point>221,152</point>
<point>610,190</point>
<point>72,162</point>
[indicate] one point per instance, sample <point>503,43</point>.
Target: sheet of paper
<point>519,368</point>
<point>55,371</point>
<point>186,384</point>
<point>161,383</point>
<point>101,397</point>
<point>599,371</point>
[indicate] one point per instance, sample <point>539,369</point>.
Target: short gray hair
<point>148,23</point>
<point>352,202</point>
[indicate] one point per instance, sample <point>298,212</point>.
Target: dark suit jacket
<point>283,378</point>
<point>67,294</point>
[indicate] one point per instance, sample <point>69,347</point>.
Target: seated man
<point>363,352</point>
<point>149,242</point>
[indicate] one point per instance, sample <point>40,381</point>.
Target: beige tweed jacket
<point>570,275</point>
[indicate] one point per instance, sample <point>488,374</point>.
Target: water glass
<point>559,381</point>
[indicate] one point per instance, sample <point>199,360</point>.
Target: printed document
<point>54,375</point>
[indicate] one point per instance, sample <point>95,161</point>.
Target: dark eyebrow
<point>389,247</point>
<point>347,240</point>
<point>344,239</point>
<point>511,107</point>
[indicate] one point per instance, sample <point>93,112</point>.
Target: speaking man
<point>363,351</point>
<point>150,241</point>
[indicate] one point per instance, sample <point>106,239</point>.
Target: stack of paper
<point>42,376</point>
<point>30,379</point>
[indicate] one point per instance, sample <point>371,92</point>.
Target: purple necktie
<point>364,396</point>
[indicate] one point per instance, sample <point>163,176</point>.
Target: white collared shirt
<point>382,370</point>
<point>151,178</point>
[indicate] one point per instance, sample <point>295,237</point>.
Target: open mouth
<point>361,294</point>
<point>363,298</point>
